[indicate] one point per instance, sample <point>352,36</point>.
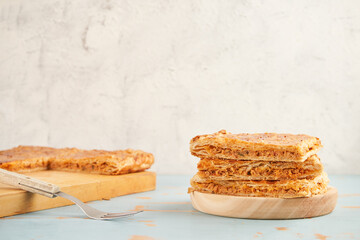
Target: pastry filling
<point>26,165</point>
<point>242,153</point>
<point>111,166</point>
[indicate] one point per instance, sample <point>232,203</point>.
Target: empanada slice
<point>275,189</point>
<point>103,162</point>
<point>257,146</point>
<point>32,158</point>
<point>219,169</point>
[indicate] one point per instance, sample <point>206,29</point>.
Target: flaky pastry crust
<point>258,146</point>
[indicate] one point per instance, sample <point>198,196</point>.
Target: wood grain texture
<point>27,183</point>
<point>86,187</point>
<point>265,208</point>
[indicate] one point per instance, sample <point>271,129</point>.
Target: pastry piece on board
<point>276,189</point>
<point>258,146</point>
<point>219,169</point>
<point>33,158</point>
<point>103,162</point>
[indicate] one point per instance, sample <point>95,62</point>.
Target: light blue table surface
<point>169,215</point>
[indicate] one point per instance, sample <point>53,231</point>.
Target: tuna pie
<point>220,169</point>
<point>278,188</point>
<point>258,165</point>
<point>258,146</point>
<point>32,158</point>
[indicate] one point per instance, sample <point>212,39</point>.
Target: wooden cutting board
<point>265,208</point>
<point>86,187</point>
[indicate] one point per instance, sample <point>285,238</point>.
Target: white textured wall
<point>153,74</point>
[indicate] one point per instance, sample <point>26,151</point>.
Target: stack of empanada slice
<point>258,165</point>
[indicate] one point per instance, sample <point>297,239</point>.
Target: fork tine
<point>92,212</point>
<point>123,214</point>
<point>114,216</point>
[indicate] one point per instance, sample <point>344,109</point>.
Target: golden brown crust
<point>26,158</point>
<point>218,169</point>
<point>277,189</point>
<point>31,158</point>
<point>258,146</point>
<point>26,152</point>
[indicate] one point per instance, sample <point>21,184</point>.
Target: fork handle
<point>28,183</point>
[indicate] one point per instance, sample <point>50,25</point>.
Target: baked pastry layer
<point>218,169</point>
<point>277,189</point>
<point>31,158</point>
<point>258,146</point>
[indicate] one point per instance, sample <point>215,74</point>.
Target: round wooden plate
<point>265,208</point>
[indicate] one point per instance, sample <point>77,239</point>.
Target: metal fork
<point>50,190</point>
